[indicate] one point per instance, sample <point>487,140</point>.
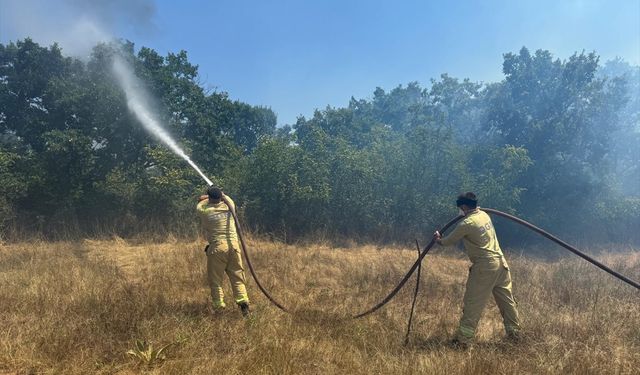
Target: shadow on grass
<point>318,317</point>
<point>439,343</point>
<point>192,309</point>
<point>430,344</point>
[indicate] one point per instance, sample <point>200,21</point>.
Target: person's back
<point>478,236</point>
<point>217,221</point>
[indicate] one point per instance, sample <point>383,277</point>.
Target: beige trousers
<point>487,277</point>
<point>224,257</point>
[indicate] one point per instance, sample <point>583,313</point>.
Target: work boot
<point>244,308</point>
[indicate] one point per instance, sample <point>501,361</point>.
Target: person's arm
<point>202,204</point>
<point>229,202</point>
<point>455,236</point>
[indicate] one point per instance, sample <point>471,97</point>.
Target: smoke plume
<point>92,21</point>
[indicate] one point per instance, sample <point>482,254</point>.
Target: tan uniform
<point>223,253</point>
<point>489,274</point>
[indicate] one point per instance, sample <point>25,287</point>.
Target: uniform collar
<point>474,211</point>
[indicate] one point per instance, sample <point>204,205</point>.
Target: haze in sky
<point>295,56</point>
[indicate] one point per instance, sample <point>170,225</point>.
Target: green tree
<point>625,153</point>
<point>562,115</point>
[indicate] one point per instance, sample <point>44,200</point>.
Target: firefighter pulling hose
<point>489,273</point>
<point>526,224</point>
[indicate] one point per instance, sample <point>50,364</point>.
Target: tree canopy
<point>555,138</point>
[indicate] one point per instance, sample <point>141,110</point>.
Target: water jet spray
<point>137,103</point>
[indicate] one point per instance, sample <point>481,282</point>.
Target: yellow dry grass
<point>78,307</point>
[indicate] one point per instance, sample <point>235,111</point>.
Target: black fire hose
<point>415,297</point>
<point>246,255</point>
<point>565,245</point>
<point>406,277</point>
<point>424,252</point>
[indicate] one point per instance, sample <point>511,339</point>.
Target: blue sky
<point>295,56</point>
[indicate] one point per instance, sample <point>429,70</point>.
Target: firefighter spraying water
<point>223,250</point>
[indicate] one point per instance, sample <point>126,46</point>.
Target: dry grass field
<point>78,307</point>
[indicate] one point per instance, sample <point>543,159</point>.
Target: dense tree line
<point>555,142</point>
